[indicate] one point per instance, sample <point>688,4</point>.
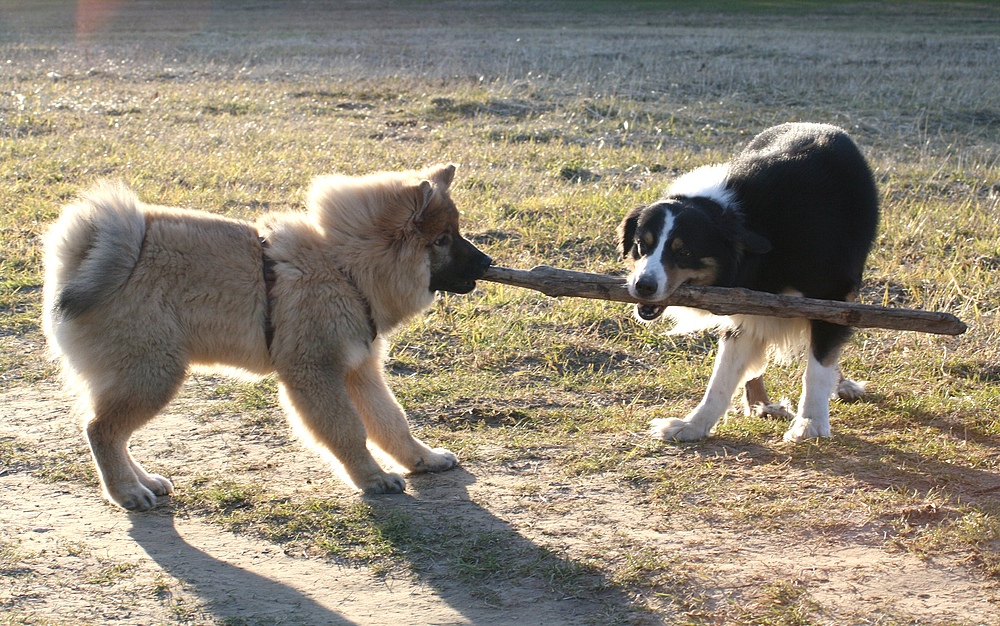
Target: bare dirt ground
<point>81,560</point>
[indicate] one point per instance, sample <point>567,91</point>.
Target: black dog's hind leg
<point>819,381</point>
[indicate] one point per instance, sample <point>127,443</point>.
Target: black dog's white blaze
<point>673,239</point>
<point>648,280</point>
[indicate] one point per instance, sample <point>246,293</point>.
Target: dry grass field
<point>561,117</point>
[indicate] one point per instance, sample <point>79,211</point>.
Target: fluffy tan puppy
<point>136,294</point>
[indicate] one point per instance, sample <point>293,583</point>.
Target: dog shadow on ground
<point>229,591</point>
<point>925,469</point>
<point>881,466</point>
<point>469,566</point>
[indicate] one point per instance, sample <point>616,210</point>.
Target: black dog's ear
<point>626,231</point>
<point>737,232</point>
<point>752,242</point>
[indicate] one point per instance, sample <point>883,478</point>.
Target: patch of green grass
<point>246,397</point>
<point>23,357</point>
<point>783,603</point>
<point>20,618</point>
<point>11,558</point>
<point>72,465</point>
<point>256,403</point>
<point>113,573</point>
<point>349,528</point>
<point>931,529</point>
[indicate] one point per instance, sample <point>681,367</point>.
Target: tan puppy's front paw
<point>132,497</point>
<point>435,460</point>
<point>159,485</point>
<point>384,483</point>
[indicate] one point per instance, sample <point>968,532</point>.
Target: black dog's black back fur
<point>812,195</point>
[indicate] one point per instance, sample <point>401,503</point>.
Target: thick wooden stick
<point>730,301</point>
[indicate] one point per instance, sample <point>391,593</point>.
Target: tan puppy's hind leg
<point>755,395</point>
<point>757,403</point>
<point>117,413</point>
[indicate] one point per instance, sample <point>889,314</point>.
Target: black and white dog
<point>795,213</point>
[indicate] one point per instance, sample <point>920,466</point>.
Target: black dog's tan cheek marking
<point>706,275</point>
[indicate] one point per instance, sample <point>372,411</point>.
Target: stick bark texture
<point>730,301</point>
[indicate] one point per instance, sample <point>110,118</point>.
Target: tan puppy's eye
<point>443,240</point>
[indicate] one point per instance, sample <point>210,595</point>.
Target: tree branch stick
<point>730,301</point>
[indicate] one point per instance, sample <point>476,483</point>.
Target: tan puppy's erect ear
<point>425,192</point>
<point>441,175</point>
<point>438,180</point>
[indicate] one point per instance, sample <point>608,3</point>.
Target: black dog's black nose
<point>645,287</point>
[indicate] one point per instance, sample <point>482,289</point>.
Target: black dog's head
<point>682,240</point>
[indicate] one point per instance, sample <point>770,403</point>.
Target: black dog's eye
<point>683,253</point>
<point>443,240</point>
<point>644,244</point>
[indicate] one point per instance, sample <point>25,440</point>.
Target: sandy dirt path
<point>69,557</point>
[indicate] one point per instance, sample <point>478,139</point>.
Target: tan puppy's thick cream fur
<point>137,294</point>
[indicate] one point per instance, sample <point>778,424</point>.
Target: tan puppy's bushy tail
<point>91,251</point>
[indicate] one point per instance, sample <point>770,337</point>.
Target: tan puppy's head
<point>408,216</point>
<point>455,263</point>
